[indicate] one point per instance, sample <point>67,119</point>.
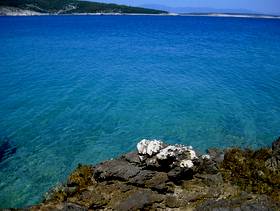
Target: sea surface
<point>82,89</point>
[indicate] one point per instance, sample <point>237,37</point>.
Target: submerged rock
<point>7,149</point>
<point>173,177</point>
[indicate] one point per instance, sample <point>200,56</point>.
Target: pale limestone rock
<point>149,147</point>
<point>154,147</point>
<point>186,164</point>
<point>206,157</point>
<point>142,146</point>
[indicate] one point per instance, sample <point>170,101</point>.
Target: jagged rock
<point>276,146</point>
<point>172,201</point>
<point>176,174</point>
<point>217,155</point>
<point>157,155</point>
<point>158,182</point>
<point>142,177</point>
<point>211,179</point>
<point>273,163</point>
<point>146,147</point>
<point>186,164</point>
<point>115,169</point>
<point>139,200</point>
<point>261,203</point>
<point>59,206</point>
<point>173,177</point>
<point>206,157</point>
<point>206,166</point>
<point>132,157</point>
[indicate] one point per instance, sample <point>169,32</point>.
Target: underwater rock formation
<point>173,177</point>
<point>6,149</point>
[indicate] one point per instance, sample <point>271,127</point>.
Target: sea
<point>84,89</point>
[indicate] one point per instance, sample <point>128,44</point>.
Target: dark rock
<point>273,163</point>
<point>152,163</point>
<point>131,157</point>
<point>74,207</point>
<point>211,179</point>
<point>92,199</point>
<point>242,204</point>
<point>207,166</point>
<point>217,155</point>
<point>139,200</point>
<point>276,146</point>
<point>158,182</point>
<point>59,206</point>
<point>233,179</point>
<point>115,169</point>
<point>176,174</point>
<point>142,177</point>
<point>172,202</point>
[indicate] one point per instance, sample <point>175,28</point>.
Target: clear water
<point>85,89</point>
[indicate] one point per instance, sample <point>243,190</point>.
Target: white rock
<point>149,147</point>
<point>192,154</point>
<point>142,146</point>
<point>186,164</point>
<point>154,147</point>
<point>166,152</point>
<point>206,157</point>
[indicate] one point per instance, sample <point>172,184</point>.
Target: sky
<point>259,6</point>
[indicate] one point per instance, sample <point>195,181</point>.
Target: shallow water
<point>85,89</point>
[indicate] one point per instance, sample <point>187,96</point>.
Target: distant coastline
<point>13,11</point>
<point>232,15</point>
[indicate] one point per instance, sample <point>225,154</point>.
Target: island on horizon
<point>84,7</point>
<point>66,7</point>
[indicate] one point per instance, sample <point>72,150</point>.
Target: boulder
<point>139,200</point>
<point>115,169</point>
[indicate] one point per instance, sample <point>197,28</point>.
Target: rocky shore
<point>159,176</point>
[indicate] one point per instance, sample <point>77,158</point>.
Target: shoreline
<point>160,176</point>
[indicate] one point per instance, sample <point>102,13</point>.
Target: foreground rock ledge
<point>174,177</point>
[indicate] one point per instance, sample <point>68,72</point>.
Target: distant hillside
<point>69,7</point>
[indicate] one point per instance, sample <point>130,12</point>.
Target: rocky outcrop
<point>173,177</point>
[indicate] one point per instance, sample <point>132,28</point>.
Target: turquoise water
<point>85,89</point>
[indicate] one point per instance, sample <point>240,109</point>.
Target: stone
<point>146,147</point>
<point>273,163</point>
<point>207,157</point>
<point>186,164</point>
<point>173,177</point>
<point>142,177</point>
<point>158,182</point>
<point>276,146</point>
<point>154,147</point>
<point>139,200</point>
<point>171,201</point>
<point>217,155</point>
<point>142,146</point>
<point>132,157</point>
<point>211,179</point>
<point>176,174</point>
<point>115,169</point>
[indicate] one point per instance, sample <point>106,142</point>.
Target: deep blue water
<point>85,89</point>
